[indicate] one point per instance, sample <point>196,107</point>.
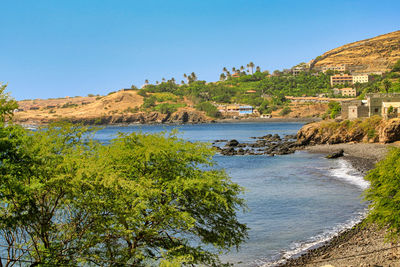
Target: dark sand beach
<point>364,244</point>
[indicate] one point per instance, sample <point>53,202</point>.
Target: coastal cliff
<point>370,130</point>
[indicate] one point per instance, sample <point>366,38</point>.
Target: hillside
<point>119,107</point>
<point>376,54</point>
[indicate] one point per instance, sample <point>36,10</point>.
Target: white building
<point>363,78</point>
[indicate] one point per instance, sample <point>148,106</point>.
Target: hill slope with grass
<point>377,54</point>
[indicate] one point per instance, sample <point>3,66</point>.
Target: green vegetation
<point>141,200</point>
<point>7,105</point>
<point>259,89</point>
<point>209,108</point>
<point>384,194</point>
<point>166,108</point>
<point>285,111</point>
<point>69,105</point>
<point>333,111</point>
<point>362,127</point>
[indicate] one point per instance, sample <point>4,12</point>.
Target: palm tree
<point>224,69</point>
<point>194,77</point>
<point>233,70</point>
<point>222,77</point>
<point>251,66</point>
<point>241,68</point>
<point>173,80</point>
<point>163,80</point>
<point>258,69</point>
<point>146,82</point>
<point>157,82</point>
<point>182,82</point>
<point>186,77</point>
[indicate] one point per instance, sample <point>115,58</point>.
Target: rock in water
<point>336,154</point>
<point>232,143</point>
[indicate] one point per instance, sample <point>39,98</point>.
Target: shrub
<point>209,108</point>
<point>384,194</point>
<point>285,111</point>
<point>166,108</point>
<point>142,92</point>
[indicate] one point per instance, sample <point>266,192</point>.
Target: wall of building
<point>374,102</point>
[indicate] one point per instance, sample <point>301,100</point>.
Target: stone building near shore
<point>384,105</point>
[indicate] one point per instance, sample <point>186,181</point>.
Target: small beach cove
<point>363,244</point>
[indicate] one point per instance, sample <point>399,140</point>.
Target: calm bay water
<point>295,201</point>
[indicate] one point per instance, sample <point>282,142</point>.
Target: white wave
<point>299,248</point>
<point>347,173</point>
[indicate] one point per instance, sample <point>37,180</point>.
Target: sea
<point>296,202</point>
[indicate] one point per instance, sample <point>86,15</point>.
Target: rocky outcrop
<point>371,130</point>
<point>265,145</point>
<point>390,131</point>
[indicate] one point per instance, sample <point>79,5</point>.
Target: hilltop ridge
<point>376,54</point>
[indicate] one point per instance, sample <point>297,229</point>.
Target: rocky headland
<point>370,130</point>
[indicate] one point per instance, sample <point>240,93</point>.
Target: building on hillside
<point>362,78</point>
<point>384,105</point>
<point>341,79</point>
<point>235,75</point>
<point>236,110</point>
<point>266,116</point>
<point>300,68</point>
<point>345,91</point>
<point>375,102</point>
<point>307,99</point>
<point>353,109</point>
<point>390,110</point>
<point>348,92</point>
<point>340,68</point>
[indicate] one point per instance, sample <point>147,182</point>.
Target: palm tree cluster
<point>190,78</point>
<point>238,71</point>
<point>163,80</point>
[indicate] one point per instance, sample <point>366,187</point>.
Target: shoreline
<point>243,120</point>
<point>363,244</point>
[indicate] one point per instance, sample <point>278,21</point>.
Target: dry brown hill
<point>376,54</point>
<point>119,107</point>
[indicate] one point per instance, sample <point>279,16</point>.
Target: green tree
<point>384,195</point>
<point>387,84</point>
<point>222,77</point>
<point>251,67</point>
<point>7,105</point>
<point>139,199</point>
<point>209,108</point>
<point>333,109</point>
<point>396,67</point>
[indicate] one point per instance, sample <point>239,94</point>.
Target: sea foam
<point>346,173</point>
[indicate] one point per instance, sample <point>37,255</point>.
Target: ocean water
<point>296,201</point>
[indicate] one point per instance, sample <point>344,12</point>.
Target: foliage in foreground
<point>384,194</point>
<point>142,199</point>
<point>137,200</point>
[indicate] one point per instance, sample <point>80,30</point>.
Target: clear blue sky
<point>56,48</point>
